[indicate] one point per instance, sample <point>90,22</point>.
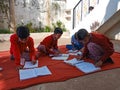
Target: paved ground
<point>104,80</point>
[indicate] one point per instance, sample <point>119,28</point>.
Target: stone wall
<point>36,11</point>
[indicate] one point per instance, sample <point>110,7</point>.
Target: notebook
<point>28,64</point>
<point>61,57</point>
<point>75,53</point>
<point>87,67</point>
<point>83,66</point>
<point>73,61</point>
<point>34,72</point>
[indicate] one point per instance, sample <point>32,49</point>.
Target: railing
<point>82,9</point>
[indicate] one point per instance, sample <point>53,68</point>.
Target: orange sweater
<point>104,42</point>
<point>49,43</point>
<point>17,48</point>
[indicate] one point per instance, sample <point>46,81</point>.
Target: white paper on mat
<point>87,67</point>
<point>61,57</point>
<point>42,71</point>
<point>31,73</point>
<point>27,74</point>
<point>75,53</point>
<point>73,61</point>
<point>28,64</point>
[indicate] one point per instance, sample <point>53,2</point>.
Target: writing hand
<point>33,62</point>
<point>19,67</point>
<point>99,63</point>
<point>78,57</point>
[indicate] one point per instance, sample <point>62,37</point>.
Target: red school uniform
<point>102,41</point>
<point>49,42</point>
<point>17,48</point>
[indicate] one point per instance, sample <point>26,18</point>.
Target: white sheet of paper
<point>31,73</point>
<point>87,67</point>
<point>42,71</point>
<point>61,57</point>
<point>27,74</point>
<point>28,64</point>
<point>75,53</point>
<point>72,51</point>
<point>73,61</point>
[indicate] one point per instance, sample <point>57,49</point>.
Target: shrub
<point>60,25</point>
<point>29,25</point>
<point>47,29</point>
<point>5,31</point>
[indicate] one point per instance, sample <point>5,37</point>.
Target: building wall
<point>101,13</point>
<point>36,11</point>
<point>114,32</point>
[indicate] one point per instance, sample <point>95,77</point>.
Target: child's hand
<point>19,67</point>
<point>22,61</point>
<point>99,63</point>
<point>78,57</point>
<point>33,62</point>
<point>56,54</point>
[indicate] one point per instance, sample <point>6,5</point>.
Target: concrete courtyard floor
<point>104,80</point>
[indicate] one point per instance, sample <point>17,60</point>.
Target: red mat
<point>9,77</point>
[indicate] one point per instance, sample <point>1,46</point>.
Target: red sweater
<point>104,42</point>
<point>49,43</point>
<point>17,48</point>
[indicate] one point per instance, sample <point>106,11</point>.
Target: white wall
<point>101,13</point>
<point>71,3</point>
<point>35,11</point>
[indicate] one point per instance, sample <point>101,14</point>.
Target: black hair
<point>22,32</point>
<point>75,35</point>
<point>81,34</point>
<point>58,31</point>
<point>91,8</point>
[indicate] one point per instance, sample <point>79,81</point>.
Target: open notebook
<point>73,61</point>
<point>61,57</point>
<point>85,67</point>
<point>35,72</point>
<point>28,64</point>
<point>74,52</point>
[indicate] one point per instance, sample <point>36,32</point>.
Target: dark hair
<point>22,32</point>
<point>75,35</point>
<point>91,8</point>
<point>58,31</point>
<point>81,34</point>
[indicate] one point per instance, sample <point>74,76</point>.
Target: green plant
<point>5,31</point>
<point>29,25</point>
<point>37,29</point>
<point>60,25</point>
<point>47,29</point>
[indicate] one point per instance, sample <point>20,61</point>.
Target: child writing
<point>75,44</point>
<point>49,43</point>
<point>97,47</point>
<point>22,46</point>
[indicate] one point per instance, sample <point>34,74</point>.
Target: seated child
<point>75,44</point>
<point>22,46</point>
<point>49,43</point>
<point>97,47</point>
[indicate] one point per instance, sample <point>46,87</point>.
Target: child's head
<point>58,32</point>
<point>82,36</point>
<point>23,33</point>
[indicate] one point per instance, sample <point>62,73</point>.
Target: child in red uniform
<point>22,46</point>
<point>49,44</point>
<point>97,47</point>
